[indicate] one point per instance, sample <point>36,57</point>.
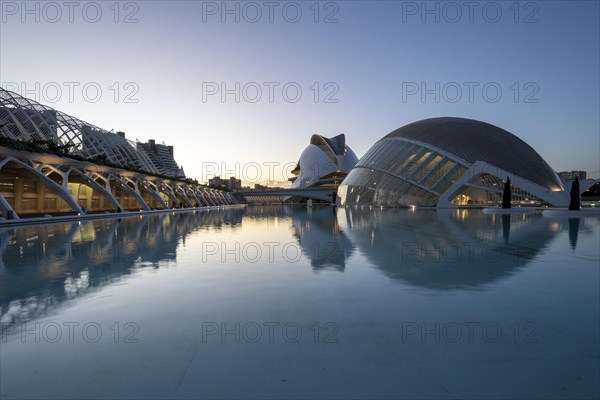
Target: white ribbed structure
<point>26,120</point>
<point>52,163</point>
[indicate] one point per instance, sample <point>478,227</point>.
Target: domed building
<point>325,162</point>
<point>448,162</point>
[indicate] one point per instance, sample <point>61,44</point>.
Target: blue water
<point>272,302</point>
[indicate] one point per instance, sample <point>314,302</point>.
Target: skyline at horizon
<point>530,70</point>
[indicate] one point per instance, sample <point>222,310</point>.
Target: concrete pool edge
<point>125,214</point>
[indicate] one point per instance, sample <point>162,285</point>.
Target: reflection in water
<point>577,227</point>
<point>573,232</point>
<point>321,239</point>
<point>316,230</point>
<point>43,266</point>
<point>444,276</point>
<point>445,249</point>
<point>506,227</point>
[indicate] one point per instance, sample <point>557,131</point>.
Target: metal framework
<point>26,120</point>
<point>117,174</point>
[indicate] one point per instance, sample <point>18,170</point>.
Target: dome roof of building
<point>322,157</point>
<point>473,141</point>
<point>335,145</point>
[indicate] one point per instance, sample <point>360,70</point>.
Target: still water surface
<point>293,302</point>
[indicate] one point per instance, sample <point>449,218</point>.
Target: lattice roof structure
<point>29,121</point>
<point>474,140</point>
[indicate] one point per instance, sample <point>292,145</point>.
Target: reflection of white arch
<point>49,183</point>
<point>557,198</point>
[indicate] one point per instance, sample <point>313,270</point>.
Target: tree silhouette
<point>575,203</point>
<point>573,232</point>
<point>506,195</point>
<point>506,227</point>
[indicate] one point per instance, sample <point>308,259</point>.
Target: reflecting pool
<point>290,302</point>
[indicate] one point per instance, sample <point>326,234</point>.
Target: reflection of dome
<point>316,230</point>
<point>324,160</point>
<point>321,239</point>
<point>445,249</point>
<point>440,161</point>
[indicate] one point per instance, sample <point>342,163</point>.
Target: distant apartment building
<point>570,175</point>
<point>231,184</point>
<point>587,187</point>
<point>162,157</point>
<point>234,184</point>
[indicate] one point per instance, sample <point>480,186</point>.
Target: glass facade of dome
<point>449,161</point>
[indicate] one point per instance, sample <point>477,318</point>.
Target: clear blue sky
<point>373,57</point>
